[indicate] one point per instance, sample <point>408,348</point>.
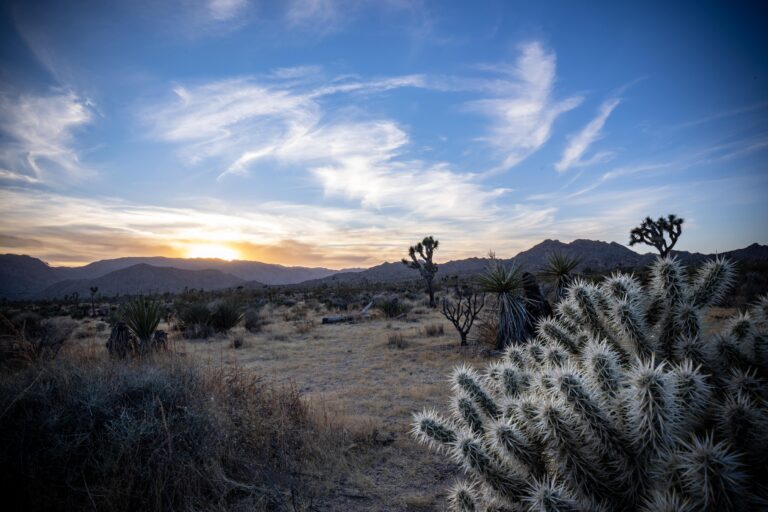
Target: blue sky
<point>336,133</point>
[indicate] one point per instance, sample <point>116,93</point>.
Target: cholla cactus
<point>620,403</point>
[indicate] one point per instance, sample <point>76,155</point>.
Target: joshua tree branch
<point>653,233</point>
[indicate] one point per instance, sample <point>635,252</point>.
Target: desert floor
<point>357,379</point>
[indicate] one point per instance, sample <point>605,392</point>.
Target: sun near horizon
<point>315,134</point>
<point>217,251</point>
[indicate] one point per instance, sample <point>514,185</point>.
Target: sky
<point>336,133</point>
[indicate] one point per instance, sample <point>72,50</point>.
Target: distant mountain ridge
<point>144,279</point>
<point>25,277</point>
<point>595,255</point>
<point>267,273</point>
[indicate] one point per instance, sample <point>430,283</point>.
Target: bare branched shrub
<point>463,310</point>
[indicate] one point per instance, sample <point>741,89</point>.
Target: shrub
<point>195,319</point>
<point>506,285</point>
<point>29,338</point>
<point>296,312</point>
<point>434,330</point>
<point>304,326</point>
<point>252,319</point>
<point>396,340</point>
<point>142,316</point>
<point>238,338</point>
<point>463,310</point>
<point>79,311</point>
<point>559,272</point>
<point>620,403</point>
<point>226,315</point>
<point>393,307</point>
<point>126,437</point>
<point>487,330</point>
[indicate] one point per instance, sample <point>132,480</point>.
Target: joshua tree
<point>653,233</point>
<point>463,311</point>
<point>506,284</point>
<point>559,272</point>
<point>421,260</point>
<point>615,407</point>
<point>94,290</point>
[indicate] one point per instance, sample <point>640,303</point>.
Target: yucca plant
<point>505,284</point>
<point>559,272</point>
<point>226,315</point>
<point>142,316</point>
<point>620,403</point>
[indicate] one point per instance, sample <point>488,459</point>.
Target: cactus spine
<point>619,403</point>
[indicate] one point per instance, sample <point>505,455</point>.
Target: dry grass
<point>166,434</point>
<point>396,340</point>
<point>346,373</point>
<point>355,389</point>
<point>434,330</point>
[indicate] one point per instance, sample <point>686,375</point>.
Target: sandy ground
<point>351,373</point>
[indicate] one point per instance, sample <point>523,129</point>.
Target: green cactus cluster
<point>623,401</point>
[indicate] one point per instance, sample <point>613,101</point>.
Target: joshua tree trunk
<point>431,292</point>
<point>94,289</point>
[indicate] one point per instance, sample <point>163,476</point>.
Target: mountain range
<point>25,277</point>
<point>593,255</point>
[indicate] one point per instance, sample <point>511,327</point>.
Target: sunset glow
<point>336,133</point>
<point>221,252</point>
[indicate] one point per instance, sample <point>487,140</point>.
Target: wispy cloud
<point>524,107</point>
<point>224,10</point>
<point>76,230</point>
<point>723,115</point>
<point>323,15</point>
<point>579,143</point>
<point>39,142</point>
<point>243,123</point>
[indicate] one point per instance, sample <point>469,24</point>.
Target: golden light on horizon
<point>217,251</point>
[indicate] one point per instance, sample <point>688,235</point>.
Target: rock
<point>338,319</point>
